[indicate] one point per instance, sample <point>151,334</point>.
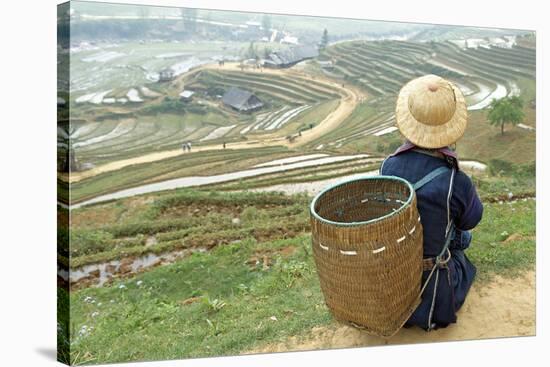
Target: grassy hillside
<point>250,289</point>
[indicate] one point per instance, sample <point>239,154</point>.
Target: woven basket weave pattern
<point>367,245</point>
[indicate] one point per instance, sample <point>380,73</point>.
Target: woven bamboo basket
<point>367,245</point>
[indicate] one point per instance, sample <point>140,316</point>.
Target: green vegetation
<point>155,315</point>
<point>506,180</point>
<point>252,52</point>
<point>276,88</point>
<point>199,163</point>
<point>504,243</point>
<point>381,68</point>
<point>508,110</point>
<point>244,294</point>
<point>324,40</point>
<point>165,126</point>
<point>169,105</point>
<point>481,141</point>
<point>164,122</point>
<point>185,220</point>
<point>63,325</point>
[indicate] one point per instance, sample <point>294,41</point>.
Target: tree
<point>504,111</point>
<point>324,40</point>
<point>252,52</point>
<point>266,24</point>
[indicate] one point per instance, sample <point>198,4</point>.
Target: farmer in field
<point>431,114</point>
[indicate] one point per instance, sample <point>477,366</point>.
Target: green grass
<point>148,321</point>
<point>182,220</point>
<point>63,324</point>
<point>484,142</point>
<point>145,318</point>
<point>489,250</point>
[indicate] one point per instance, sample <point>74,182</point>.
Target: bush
<point>84,242</point>
<point>527,170</point>
<point>499,167</point>
<point>199,110</point>
<point>214,91</point>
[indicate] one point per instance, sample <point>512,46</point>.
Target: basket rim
<point>361,178</point>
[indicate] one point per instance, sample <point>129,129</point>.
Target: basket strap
<point>440,259</point>
<point>429,177</point>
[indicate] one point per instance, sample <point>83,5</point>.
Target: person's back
<point>465,212</point>
<point>431,113</point>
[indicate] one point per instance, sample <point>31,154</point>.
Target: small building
<point>290,57</point>
<point>241,100</point>
<point>253,24</point>
<point>326,64</point>
<point>166,75</point>
<point>186,95</point>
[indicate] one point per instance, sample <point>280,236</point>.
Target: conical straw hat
<point>431,112</point>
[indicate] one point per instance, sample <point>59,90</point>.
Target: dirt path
<point>152,157</point>
<point>350,98</point>
<point>502,308</point>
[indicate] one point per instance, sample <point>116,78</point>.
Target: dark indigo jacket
<point>466,212</point>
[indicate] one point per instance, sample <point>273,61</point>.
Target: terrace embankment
<point>189,181</point>
<point>349,98</point>
<point>174,226</point>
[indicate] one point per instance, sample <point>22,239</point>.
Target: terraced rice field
<point>303,169</point>
<point>293,102</point>
<point>137,130</point>
<point>383,67</point>
<point>122,243</point>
